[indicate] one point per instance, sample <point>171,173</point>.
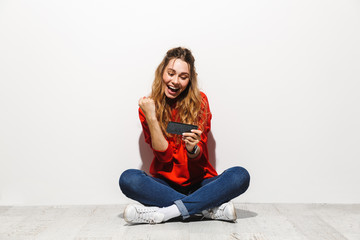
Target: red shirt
<point>173,164</point>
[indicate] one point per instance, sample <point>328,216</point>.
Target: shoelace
<point>217,213</point>
<point>145,215</point>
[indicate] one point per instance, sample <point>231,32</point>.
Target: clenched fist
<point>147,105</point>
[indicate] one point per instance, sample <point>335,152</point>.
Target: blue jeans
<point>209,193</point>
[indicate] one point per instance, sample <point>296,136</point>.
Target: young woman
<point>183,181</point>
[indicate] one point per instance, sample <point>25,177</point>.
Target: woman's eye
<point>170,74</point>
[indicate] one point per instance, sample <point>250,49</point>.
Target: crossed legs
<point>150,191</point>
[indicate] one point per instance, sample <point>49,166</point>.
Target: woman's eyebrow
<point>184,73</point>
<point>173,70</point>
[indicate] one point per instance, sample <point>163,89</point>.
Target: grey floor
<point>255,221</point>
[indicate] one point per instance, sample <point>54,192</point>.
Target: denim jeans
<point>209,193</point>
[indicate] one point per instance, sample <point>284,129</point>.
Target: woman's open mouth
<point>172,90</point>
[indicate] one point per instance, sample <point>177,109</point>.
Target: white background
<point>282,78</point>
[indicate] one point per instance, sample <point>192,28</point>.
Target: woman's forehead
<point>178,65</point>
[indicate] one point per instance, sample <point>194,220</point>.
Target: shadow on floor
<point>241,214</point>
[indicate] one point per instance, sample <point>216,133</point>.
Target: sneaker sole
<point>234,212</point>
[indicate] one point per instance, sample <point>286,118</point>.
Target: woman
<point>183,181</point>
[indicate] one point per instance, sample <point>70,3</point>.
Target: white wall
<point>282,78</point>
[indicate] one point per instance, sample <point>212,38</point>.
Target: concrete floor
<point>255,221</point>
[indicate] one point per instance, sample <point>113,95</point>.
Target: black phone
<point>179,128</point>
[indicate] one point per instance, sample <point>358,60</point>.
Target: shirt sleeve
<point>162,156</point>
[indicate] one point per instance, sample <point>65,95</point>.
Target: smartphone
<point>179,128</point>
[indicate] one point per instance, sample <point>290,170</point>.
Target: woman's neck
<point>171,102</point>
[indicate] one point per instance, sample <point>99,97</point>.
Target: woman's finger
<point>192,140</point>
<point>196,131</point>
<point>194,135</point>
<point>191,136</point>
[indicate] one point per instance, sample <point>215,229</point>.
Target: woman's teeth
<point>173,89</point>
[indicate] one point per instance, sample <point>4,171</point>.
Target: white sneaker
<point>226,212</point>
<point>134,213</point>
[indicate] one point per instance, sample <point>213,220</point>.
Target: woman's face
<point>176,77</point>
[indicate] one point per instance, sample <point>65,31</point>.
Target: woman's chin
<point>171,96</point>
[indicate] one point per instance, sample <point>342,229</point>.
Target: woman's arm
<point>199,137</point>
<point>191,140</point>
<point>158,141</point>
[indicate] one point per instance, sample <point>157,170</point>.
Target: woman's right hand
<point>147,105</point>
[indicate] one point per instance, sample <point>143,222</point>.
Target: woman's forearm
<point>158,141</point>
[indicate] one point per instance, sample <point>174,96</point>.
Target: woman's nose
<point>175,79</point>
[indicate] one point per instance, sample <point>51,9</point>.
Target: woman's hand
<point>191,139</point>
<point>147,105</point>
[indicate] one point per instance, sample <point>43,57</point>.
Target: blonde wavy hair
<point>188,103</point>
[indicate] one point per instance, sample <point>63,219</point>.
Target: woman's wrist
<point>194,153</point>
<point>194,149</point>
<point>151,118</point>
